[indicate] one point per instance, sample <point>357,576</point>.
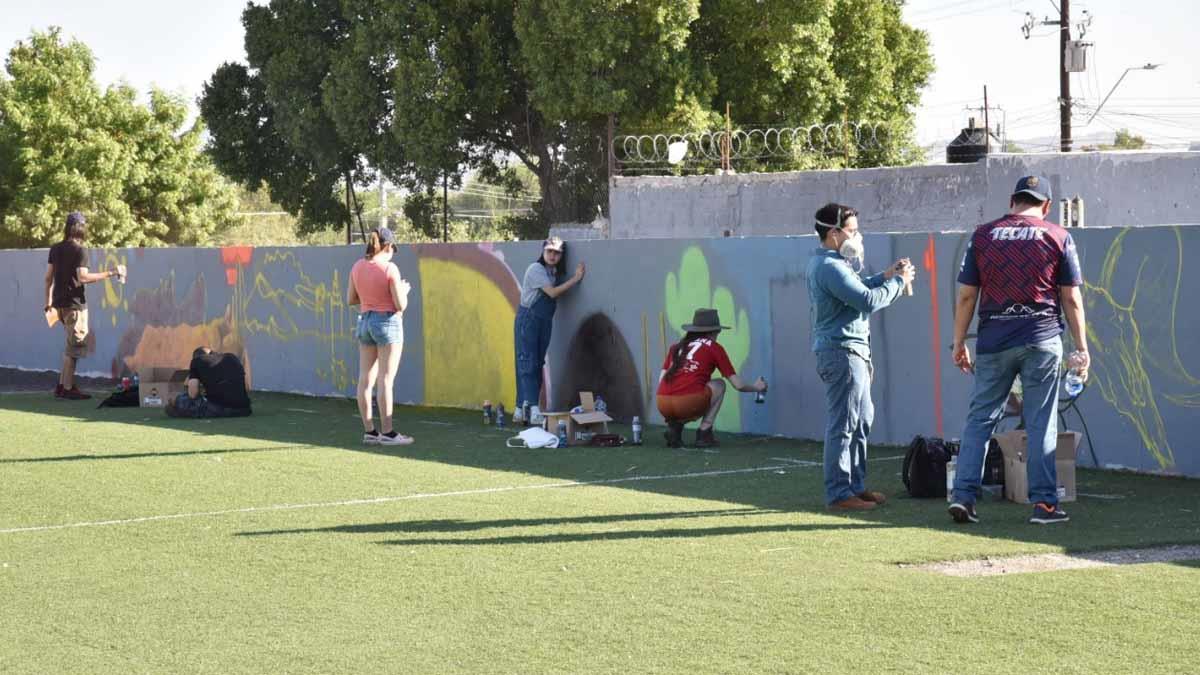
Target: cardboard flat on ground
<point>158,385</point>
<point>1014,447</point>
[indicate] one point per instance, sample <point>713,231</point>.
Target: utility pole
<point>1064,78</point>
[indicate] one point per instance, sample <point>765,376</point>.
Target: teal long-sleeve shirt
<point>841,302</point>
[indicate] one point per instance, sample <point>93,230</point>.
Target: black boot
<point>674,434</point>
<point>706,439</point>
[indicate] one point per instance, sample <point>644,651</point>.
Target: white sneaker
<point>395,439</point>
<point>370,438</point>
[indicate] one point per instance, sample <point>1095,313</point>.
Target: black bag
<point>993,464</point>
<point>924,469</point>
<point>122,398</point>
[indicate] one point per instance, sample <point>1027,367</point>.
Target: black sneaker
<point>1044,514</point>
<point>674,434</point>
<point>706,439</point>
<point>963,513</point>
<point>371,437</point>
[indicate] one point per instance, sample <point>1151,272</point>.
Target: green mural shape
<point>691,289</point>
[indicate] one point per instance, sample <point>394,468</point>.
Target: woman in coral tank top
<point>376,286</point>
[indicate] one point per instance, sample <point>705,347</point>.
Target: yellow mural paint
<point>468,336</point>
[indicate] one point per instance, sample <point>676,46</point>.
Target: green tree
<point>65,145</point>
<point>431,88</point>
<point>1125,140</point>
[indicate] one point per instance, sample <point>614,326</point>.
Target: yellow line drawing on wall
<point>468,335</point>
<point>1139,337</point>
<point>323,301</point>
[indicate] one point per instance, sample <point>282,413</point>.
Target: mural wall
<point>283,311</point>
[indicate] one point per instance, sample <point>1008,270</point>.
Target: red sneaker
<point>74,394</point>
<point>59,392</point>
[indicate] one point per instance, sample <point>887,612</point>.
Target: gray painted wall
<point>283,309</point>
<point>1118,188</point>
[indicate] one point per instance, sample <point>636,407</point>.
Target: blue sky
<point>177,45</point>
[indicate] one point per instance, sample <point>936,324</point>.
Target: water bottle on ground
<point>500,416</point>
<point>637,430</point>
<point>562,433</point>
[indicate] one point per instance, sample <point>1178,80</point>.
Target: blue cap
<point>75,218</point>
<point>1034,186</point>
<point>386,236</point>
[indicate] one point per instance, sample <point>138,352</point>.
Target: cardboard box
<point>156,386</point>
<point>587,422</point>
<point>1016,482</point>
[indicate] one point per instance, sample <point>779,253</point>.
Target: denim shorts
<point>379,328</point>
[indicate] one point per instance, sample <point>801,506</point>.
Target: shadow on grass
<point>145,455</point>
<point>765,474</point>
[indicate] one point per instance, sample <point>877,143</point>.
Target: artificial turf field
<point>130,542</point>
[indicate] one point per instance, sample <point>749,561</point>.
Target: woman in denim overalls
<point>535,317</point>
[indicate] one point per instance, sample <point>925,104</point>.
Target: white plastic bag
<point>533,437</point>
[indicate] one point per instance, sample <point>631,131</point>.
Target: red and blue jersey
<point>1019,263</point>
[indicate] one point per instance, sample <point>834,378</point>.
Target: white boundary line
<point>385,500</point>
<point>792,464</point>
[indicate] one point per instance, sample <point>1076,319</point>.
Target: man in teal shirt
<point>841,301</point>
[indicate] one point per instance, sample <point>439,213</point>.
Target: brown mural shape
<point>599,360</point>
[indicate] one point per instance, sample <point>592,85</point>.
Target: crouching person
<point>686,390</point>
<point>216,387</point>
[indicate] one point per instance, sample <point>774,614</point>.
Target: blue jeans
<point>849,413</point>
<point>186,406</point>
<point>531,335</point>
<point>379,328</point>
<point>1038,365</point>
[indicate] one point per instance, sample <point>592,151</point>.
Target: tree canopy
<point>428,88</point>
<point>66,145</point>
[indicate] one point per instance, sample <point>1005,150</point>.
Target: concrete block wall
<point>1119,189</point>
<point>283,310</point>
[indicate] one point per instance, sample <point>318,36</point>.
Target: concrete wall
<point>1119,189</point>
<point>283,310</point>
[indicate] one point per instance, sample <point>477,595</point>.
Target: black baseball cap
<point>1034,186</point>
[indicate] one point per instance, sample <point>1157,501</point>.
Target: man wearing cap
<point>841,302</point>
<point>66,275</point>
<point>1024,274</point>
<point>540,289</point>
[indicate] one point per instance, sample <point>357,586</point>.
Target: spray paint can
<point>562,433</point>
<point>487,412</point>
<point>761,397</point>
<point>525,413</point>
<point>126,383</point>
<point>500,416</point>
<point>637,430</point>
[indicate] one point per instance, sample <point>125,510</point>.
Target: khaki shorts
<point>685,407</point>
<point>75,321</point>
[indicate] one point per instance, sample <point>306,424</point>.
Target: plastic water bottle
<point>601,406</point>
<point>562,433</point>
<point>135,380</point>
<point>1073,382</point>
<point>951,469</point>
<point>500,416</point>
<point>637,430</point>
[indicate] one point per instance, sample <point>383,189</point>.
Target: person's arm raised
<point>555,291</point>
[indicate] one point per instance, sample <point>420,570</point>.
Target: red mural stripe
<point>935,333</point>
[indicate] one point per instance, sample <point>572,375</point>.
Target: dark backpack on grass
<point>123,398</point>
<point>924,468</point>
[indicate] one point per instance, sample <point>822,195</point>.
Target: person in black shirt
<point>216,387</point>
<point>66,275</point>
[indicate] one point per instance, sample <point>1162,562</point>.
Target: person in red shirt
<point>686,390</point>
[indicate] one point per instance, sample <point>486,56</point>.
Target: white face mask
<point>852,248</point>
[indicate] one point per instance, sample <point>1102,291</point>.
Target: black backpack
<point>993,464</point>
<point>122,398</point>
<point>924,469</point>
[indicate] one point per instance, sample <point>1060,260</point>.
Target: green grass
<point>736,572</point>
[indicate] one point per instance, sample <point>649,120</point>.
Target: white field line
<point>385,500</point>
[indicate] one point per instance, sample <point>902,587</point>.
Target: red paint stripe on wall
<point>935,324</point>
